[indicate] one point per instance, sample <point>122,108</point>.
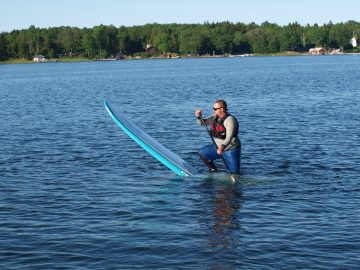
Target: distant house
<point>317,51</point>
<point>72,54</point>
<point>68,54</point>
<point>336,51</point>
<point>150,49</point>
<point>120,56</point>
<point>39,58</point>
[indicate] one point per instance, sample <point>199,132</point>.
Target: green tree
<point>22,50</point>
<point>112,40</point>
<point>354,28</point>
<point>340,36</point>
<point>190,42</point>
<point>290,37</point>
<point>237,42</point>
<point>263,40</point>
<point>89,45</point>
<point>3,47</point>
<point>315,36</point>
<point>124,41</point>
<point>194,41</point>
<point>32,39</point>
<point>137,40</point>
<point>69,39</point>
<point>12,45</point>
<point>101,39</point>
<point>256,40</point>
<point>50,44</point>
<point>162,42</point>
<point>240,43</point>
<point>222,35</point>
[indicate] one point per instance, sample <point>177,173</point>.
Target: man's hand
<point>198,113</point>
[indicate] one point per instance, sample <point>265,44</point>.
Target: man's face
<point>217,109</point>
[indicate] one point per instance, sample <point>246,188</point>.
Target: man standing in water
<point>224,128</point>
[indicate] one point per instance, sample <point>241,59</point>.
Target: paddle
<point>213,141</point>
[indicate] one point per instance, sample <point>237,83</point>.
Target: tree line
<point>208,38</point>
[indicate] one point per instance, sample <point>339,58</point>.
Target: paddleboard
<point>150,145</point>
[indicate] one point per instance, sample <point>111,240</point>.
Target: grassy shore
<point>65,59</point>
<point>16,61</point>
<point>75,59</point>
<point>83,59</point>
<point>282,54</point>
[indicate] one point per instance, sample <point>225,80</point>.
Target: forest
<point>104,41</point>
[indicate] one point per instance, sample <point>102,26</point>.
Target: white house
<point>39,58</point>
<point>353,42</point>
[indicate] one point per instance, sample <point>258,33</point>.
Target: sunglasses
<point>215,109</point>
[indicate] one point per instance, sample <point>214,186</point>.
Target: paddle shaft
<point>212,139</point>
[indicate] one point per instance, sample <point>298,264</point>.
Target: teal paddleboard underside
<point>150,145</point>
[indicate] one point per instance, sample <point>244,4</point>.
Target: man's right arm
<point>208,120</point>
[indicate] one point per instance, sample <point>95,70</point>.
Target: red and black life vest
<point>218,129</point>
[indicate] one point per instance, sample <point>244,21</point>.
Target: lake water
<point>77,193</point>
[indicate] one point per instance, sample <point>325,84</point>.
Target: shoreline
<point>82,59</point>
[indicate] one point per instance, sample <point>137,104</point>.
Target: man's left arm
<point>230,125</point>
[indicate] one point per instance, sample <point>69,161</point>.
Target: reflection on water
<point>223,200</point>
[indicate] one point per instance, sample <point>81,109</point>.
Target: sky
<point>20,14</point>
